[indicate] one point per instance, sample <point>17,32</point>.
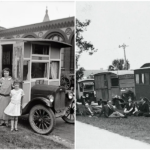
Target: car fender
<point>35,101</point>
<point>45,100</point>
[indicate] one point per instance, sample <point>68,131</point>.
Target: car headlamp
<point>70,95</point>
<point>51,98</point>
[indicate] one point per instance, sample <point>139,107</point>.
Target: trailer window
<point>26,70</point>
<point>39,70</point>
<point>142,78</point>
<point>54,69</point>
<point>146,78</point>
<point>40,49</point>
<point>137,78</point>
<point>114,82</point>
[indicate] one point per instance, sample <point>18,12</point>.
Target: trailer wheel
<point>69,116</point>
<point>41,119</point>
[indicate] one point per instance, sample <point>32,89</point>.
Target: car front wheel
<point>69,116</point>
<point>41,119</point>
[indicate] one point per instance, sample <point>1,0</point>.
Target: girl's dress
<point>4,96</point>
<point>13,109</point>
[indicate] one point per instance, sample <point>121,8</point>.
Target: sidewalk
<point>90,137</point>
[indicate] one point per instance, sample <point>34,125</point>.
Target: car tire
<point>69,116</point>
<point>41,119</point>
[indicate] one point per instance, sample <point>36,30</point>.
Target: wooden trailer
<point>110,84</point>
<point>142,82</point>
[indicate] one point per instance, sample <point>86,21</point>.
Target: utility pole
<point>124,47</point>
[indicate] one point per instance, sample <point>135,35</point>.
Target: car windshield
<point>89,86</point>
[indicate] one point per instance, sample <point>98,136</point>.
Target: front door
<point>18,54</point>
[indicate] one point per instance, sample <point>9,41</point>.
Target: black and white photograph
<point>37,74</point>
<point>112,74</point>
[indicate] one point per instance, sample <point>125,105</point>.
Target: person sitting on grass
<point>110,112</point>
<point>143,109</point>
<point>129,107</point>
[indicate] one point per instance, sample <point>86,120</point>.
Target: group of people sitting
<point>140,108</point>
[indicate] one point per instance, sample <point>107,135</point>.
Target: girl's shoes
<point>16,129</point>
<point>12,130</point>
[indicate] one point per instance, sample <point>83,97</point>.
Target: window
<point>114,82</point>
<point>39,70</point>
<point>25,70</point>
<point>62,57</point>
<point>146,78</point>
<point>57,37</point>
<point>40,49</point>
<point>105,80</point>
<point>54,70</point>
<point>137,78</point>
<point>142,81</point>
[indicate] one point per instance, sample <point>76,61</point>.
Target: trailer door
<point>18,55</point>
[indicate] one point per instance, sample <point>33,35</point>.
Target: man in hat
<point>143,109</point>
<point>109,111</point>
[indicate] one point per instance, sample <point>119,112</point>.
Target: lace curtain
<point>54,70</point>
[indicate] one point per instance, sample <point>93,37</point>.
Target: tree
<point>79,73</point>
<point>82,45</point>
<point>118,64</point>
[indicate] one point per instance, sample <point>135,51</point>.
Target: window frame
<point>111,81</point>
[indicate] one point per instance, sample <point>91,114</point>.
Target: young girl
<point>14,107</point>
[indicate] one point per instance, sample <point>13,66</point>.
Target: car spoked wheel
<point>42,119</point>
<point>69,116</point>
<point>65,83</point>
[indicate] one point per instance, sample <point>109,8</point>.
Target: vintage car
<point>85,91</point>
<point>37,63</point>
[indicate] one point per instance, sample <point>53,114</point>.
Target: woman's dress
<point>6,84</point>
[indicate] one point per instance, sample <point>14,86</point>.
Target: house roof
<point>53,24</point>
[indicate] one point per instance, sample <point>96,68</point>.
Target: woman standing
<point>6,85</point>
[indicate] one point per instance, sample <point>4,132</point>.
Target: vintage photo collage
<point>74,74</point>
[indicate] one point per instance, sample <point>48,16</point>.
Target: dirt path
<point>90,137</point>
<point>26,138</point>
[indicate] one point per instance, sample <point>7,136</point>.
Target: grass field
<point>134,127</point>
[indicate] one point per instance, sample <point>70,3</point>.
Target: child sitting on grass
<point>15,106</point>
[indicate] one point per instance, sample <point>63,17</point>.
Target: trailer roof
<point>142,68</point>
<point>119,72</point>
<point>86,80</point>
<point>46,41</point>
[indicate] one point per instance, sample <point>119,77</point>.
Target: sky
<point>112,24</point>
<point>19,13</point>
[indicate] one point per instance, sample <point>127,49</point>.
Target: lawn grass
<point>134,127</point>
